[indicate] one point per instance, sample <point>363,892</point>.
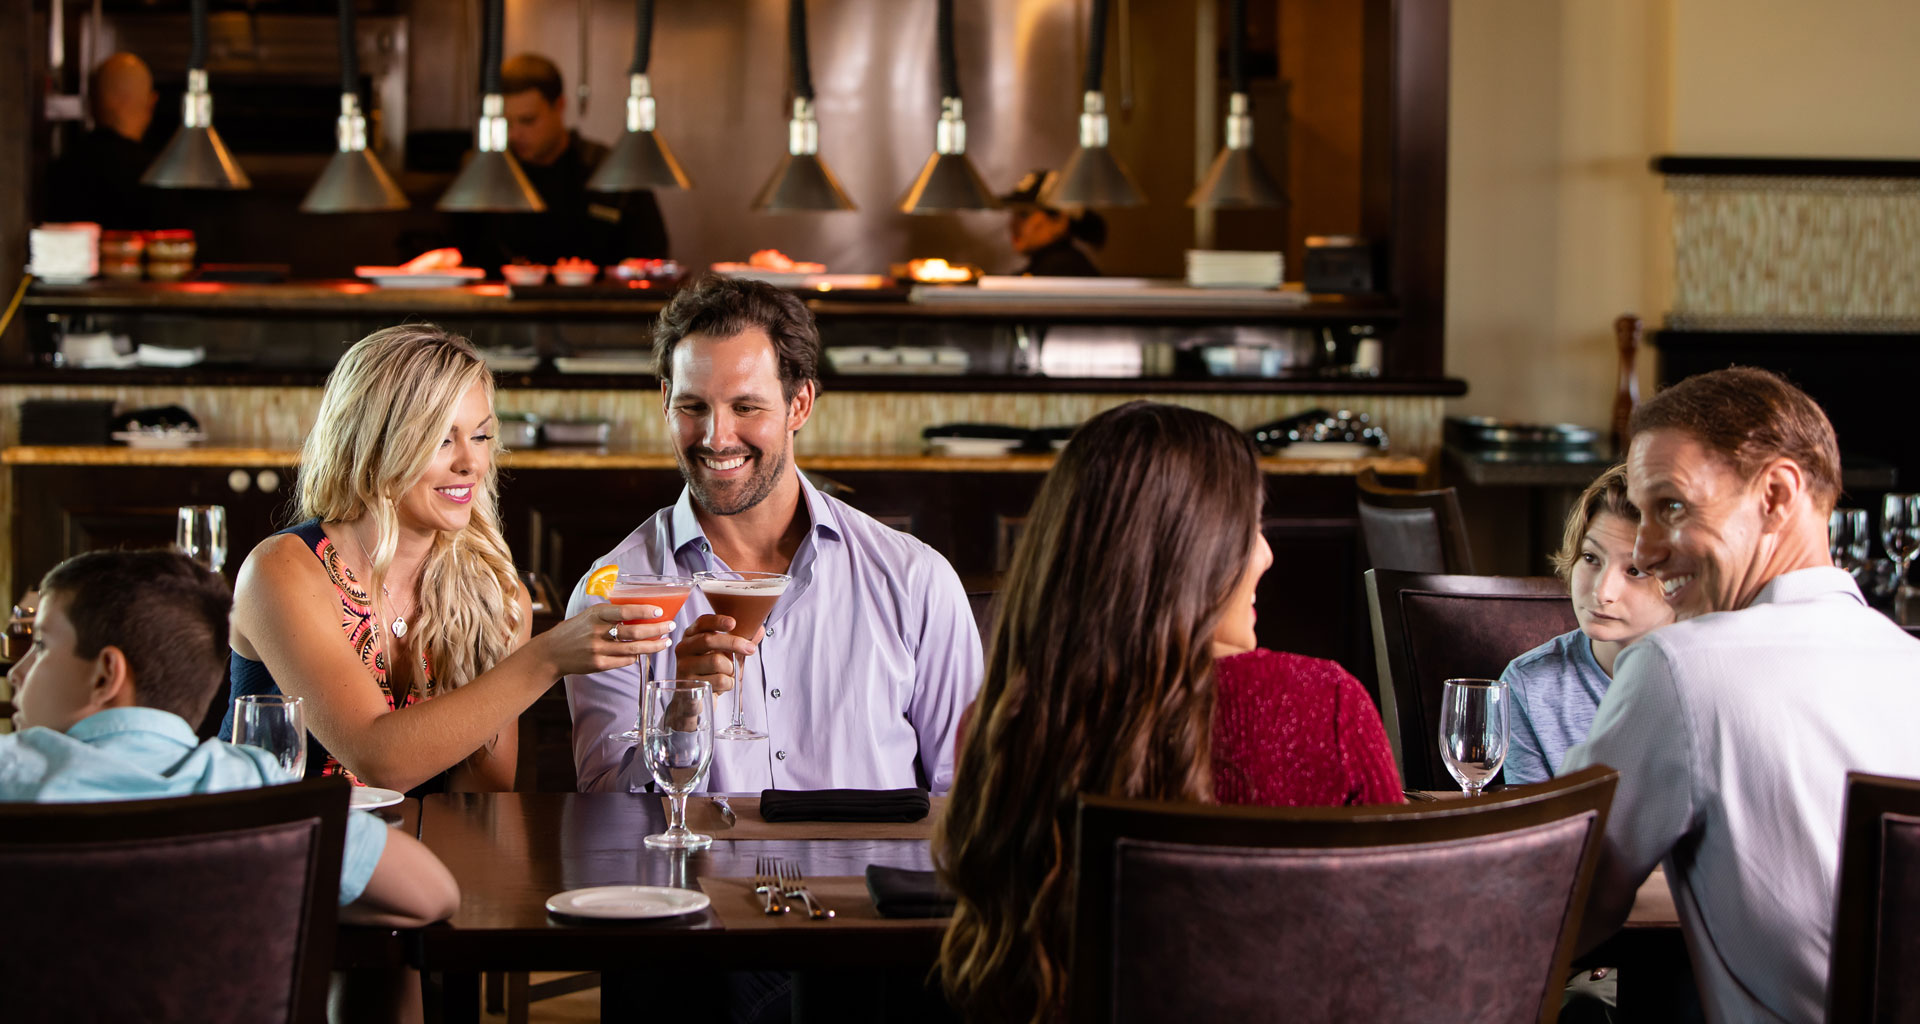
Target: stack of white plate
<point>1212,268</point>
<point>64,253</point>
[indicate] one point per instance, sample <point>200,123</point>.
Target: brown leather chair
<point>1430,628</point>
<point>1412,531</point>
<point>1876,930</point>
<point>1451,910</point>
<point>210,908</point>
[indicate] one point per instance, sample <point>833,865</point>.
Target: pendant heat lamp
<point>1237,179</point>
<point>640,161</point>
<point>492,181</point>
<point>1092,177</point>
<point>195,157</point>
<point>354,181</point>
<point>947,181</point>
<point>802,181</point>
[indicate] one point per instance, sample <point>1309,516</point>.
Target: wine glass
<point>1900,533</point>
<point>748,598</point>
<point>201,534</point>
<point>276,724</point>
<point>677,716</point>
<point>667,593</point>
<point>1848,539</point>
<point>1473,730</point>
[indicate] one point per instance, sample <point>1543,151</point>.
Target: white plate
<point>366,798</point>
<point>972,447</point>
<point>628,902</point>
<point>171,439</point>
<point>593,364</point>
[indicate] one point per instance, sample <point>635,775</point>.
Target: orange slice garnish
<point>600,581</point>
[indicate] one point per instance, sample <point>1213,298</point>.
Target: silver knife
<point>726,811</point>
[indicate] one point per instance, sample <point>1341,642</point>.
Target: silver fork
<point>793,884</point>
<point>768,886</point>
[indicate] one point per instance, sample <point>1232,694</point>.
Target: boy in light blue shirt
<point>1556,687</point>
<point>126,644</point>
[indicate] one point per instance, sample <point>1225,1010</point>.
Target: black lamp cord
<point>1237,49</point>
<point>949,63</point>
<point>197,55</point>
<point>349,56</point>
<point>1096,46</point>
<point>642,37</point>
<point>494,28</point>
<point>797,49</point>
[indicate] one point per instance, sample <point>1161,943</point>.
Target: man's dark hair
<point>723,307</point>
<point>1749,417</point>
<point>166,614</point>
<point>530,71</point>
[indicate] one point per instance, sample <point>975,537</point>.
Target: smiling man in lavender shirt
<point>868,658</point>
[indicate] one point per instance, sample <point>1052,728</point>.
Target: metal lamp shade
<point>640,161</point>
<point>947,181</point>
<point>492,182</point>
<point>354,182</point>
<point>801,183</point>
<point>196,158</point>
<point>1092,177</point>
<point>1238,179</point>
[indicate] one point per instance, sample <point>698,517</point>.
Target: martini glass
<point>747,598</point>
<point>666,593</point>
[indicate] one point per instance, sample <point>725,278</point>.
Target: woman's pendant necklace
<point>399,621</point>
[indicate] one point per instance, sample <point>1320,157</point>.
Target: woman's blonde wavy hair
<point>386,407</point>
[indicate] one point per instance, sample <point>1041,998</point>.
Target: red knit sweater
<point>1294,731</point>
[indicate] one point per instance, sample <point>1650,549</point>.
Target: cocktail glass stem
<point>739,712</point>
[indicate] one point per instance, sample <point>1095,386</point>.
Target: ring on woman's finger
<point>613,633</point>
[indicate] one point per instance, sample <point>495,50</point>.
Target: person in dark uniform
<point>602,227</point>
<point>98,177</point>
<point>1051,239</point>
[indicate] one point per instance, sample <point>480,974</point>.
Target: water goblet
<point>677,718</point>
<point>276,724</point>
<point>1900,533</point>
<point>1473,730</point>
<point>200,533</point>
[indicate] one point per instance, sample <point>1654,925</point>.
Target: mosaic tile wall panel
<point>1808,254</point>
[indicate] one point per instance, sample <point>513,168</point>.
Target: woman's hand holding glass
<point>598,640</point>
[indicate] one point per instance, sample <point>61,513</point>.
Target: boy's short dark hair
<point>723,307</point>
<point>166,614</point>
<point>530,71</point>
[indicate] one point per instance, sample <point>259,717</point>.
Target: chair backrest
<point>1428,629</point>
<point>1453,910</point>
<point>205,908</point>
<point>1876,930</point>
<point>1412,531</point>
<point>981,602</point>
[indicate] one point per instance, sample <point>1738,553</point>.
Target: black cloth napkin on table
<point>898,892</point>
<point>843,804</point>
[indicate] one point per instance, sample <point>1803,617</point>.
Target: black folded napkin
<point>898,892</point>
<point>843,804</point>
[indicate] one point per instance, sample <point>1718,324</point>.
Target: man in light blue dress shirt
<point>1734,728</point>
<point>870,655</point>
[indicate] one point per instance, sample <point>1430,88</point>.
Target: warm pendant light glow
<point>641,159</point>
<point>353,181</point>
<point>492,181</point>
<point>947,181</point>
<point>1092,176</point>
<point>1237,179</point>
<point>802,181</point>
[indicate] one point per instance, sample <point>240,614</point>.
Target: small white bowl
<point>574,278</point>
<point>524,274</point>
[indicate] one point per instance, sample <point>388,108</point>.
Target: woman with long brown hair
<point>1123,663</point>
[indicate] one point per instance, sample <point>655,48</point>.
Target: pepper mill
<point>1626,395</point>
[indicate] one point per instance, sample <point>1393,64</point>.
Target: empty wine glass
<point>201,534</point>
<point>1848,539</point>
<point>276,724</point>
<point>677,718</point>
<point>1473,730</point>
<point>1900,533</point>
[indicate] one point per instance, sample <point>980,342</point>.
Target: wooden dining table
<point>511,852</point>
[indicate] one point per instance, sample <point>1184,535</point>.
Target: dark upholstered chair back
<point>216,908</point>
<point>1428,629</point>
<point>1455,910</point>
<point>1412,531</point>
<point>1876,931</point>
<point>982,603</point>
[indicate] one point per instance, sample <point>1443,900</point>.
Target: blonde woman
<point>394,609</point>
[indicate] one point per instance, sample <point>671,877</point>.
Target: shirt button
<point>781,754</point>
<point>776,695</point>
<point>769,632</point>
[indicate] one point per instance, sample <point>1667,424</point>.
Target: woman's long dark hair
<point>1099,680</point>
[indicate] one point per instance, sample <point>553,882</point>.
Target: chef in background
<point>604,228</point>
<point>1054,242</point>
<point>98,177</point>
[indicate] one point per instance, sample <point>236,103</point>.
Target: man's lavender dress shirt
<point>868,660</point>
